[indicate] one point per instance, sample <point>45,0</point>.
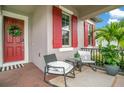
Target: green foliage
<point>14,30</point>
<point>110,55</point>
<point>77,55</point>
<point>122,64</point>
<point>122,60</point>
<point>97,57</point>
<point>107,32</point>
<point>121,23</point>
<point>112,32</point>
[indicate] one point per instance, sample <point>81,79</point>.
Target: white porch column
<point>1,39</point>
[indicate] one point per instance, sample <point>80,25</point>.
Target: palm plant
<point>119,34</point>
<point>107,33</point>
<point>120,37</point>
<point>112,32</point>
<point>121,23</point>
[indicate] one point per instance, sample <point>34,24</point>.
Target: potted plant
<point>111,59</point>
<point>77,55</point>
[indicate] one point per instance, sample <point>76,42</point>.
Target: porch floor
<point>28,76</point>
<point>31,76</point>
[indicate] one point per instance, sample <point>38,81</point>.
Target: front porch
<point>31,76</point>
<point>38,41</point>
<point>38,33</point>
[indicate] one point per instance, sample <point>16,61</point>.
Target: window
<point>90,34</point>
<point>66,30</point>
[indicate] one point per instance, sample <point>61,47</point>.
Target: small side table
<point>76,61</point>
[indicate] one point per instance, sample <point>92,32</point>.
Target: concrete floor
<point>31,76</point>
<point>119,82</point>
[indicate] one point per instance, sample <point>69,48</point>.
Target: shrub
<point>122,62</point>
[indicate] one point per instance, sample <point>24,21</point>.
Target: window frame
<point>90,44</point>
<point>70,31</point>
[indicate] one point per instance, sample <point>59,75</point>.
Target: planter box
<point>112,70</point>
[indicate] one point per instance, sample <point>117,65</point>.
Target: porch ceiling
<point>88,11</point>
<point>24,9</point>
<point>84,11</point>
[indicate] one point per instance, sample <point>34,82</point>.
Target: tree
<point>119,34</point>
<point>107,33</point>
<point>112,32</point>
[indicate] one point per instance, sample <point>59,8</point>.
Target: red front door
<point>13,45</point>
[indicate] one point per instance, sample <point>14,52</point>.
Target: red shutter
<point>57,27</point>
<point>85,34</point>
<point>93,35</point>
<point>74,32</point>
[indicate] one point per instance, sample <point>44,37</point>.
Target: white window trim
<point>90,22</point>
<point>70,32</point>
<point>92,46</point>
<point>66,49</point>
<point>66,10</point>
<point>1,40</point>
<point>26,48</point>
<point>88,35</point>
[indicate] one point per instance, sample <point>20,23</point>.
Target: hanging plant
<point>14,30</point>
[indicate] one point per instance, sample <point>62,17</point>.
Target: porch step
<point>6,68</point>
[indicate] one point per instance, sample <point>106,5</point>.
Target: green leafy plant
<point>77,55</point>
<point>14,30</point>
<point>122,65</point>
<point>107,33</point>
<point>112,32</point>
<point>110,55</point>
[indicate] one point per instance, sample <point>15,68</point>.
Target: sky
<point>112,16</point>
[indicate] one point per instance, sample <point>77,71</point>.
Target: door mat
<point>6,68</point>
